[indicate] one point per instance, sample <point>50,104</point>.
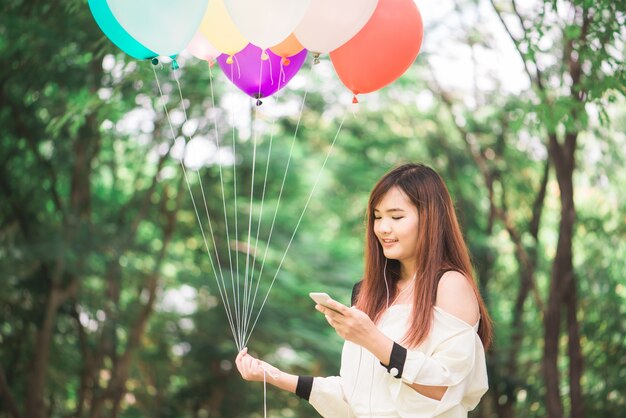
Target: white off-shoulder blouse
<point>452,356</point>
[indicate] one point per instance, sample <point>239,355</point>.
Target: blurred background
<point>109,304</point>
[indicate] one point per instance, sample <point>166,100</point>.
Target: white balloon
<point>164,26</point>
<point>328,24</point>
<point>266,23</point>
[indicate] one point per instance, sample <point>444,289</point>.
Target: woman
<point>417,330</point>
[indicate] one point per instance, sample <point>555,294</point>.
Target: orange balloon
<point>287,48</point>
<point>383,50</point>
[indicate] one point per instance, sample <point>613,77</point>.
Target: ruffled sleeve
<point>453,353</point>
<point>448,365</point>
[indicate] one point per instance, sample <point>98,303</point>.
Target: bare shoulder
<point>456,296</point>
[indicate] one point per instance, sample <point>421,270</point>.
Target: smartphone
<point>322,298</point>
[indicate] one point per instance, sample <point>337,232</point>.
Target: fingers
<point>245,364</point>
<point>250,368</point>
<point>338,307</point>
<point>351,324</point>
<point>336,314</point>
<point>239,361</point>
<point>241,354</point>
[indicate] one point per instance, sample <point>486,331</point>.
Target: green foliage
<point>91,199</point>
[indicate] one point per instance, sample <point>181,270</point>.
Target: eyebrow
<point>390,210</point>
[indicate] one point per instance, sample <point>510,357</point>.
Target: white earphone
<point>386,284</point>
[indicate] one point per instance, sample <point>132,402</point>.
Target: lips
<point>388,242</point>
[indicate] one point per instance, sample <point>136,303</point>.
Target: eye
<point>376,217</point>
<point>395,218</point>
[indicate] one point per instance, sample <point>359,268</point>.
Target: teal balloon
<point>164,26</point>
<point>115,32</point>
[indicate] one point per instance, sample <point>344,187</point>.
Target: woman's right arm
<point>325,394</point>
<point>255,370</point>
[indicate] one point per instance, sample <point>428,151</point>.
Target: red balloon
<point>383,50</point>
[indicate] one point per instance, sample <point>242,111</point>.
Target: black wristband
<point>396,361</point>
<point>304,386</point>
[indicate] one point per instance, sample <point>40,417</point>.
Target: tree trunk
<point>116,388</point>
<point>119,375</point>
<point>89,370</point>
<point>563,288</point>
<point>35,405</point>
<point>552,321</point>
<point>8,402</point>
<point>566,268</point>
<point>216,399</point>
<point>575,354</point>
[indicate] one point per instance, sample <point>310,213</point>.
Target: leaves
<point>94,199</point>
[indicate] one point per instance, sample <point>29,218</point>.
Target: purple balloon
<point>256,77</point>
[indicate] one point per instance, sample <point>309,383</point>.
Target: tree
<point>590,72</point>
<point>587,37</point>
<point>98,230</point>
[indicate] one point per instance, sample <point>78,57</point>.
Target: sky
<point>450,56</point>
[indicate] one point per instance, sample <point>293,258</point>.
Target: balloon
<point>164,26</point>
<point>258,77</point>
<point>219,29</point>
<point>200,48</point>
<point>115,32</point>
<point>266,23</point>
<point>328,24</point>
<point>383,50</point>
<point>287,48</point>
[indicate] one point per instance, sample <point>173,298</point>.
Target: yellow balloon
<point>219,29</point>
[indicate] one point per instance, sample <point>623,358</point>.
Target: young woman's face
<point>395,226</point>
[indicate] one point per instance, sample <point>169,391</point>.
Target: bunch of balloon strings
<point>242,296</point>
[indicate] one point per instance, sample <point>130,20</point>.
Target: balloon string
<point>264,393</point>
<point>206,207</point>
<point>271,75</point>
<point>258,95</point>
<point>237,289</point>
<point>246,296</point>
<point>258,230</point>
<point>162,99</point>
<point>235,276</point>
<point>238,67</point>
<point>280,193</point>
<point>319,175</point>
<point>222,188</point>
<point>273,376</point>
<point>267,165</point>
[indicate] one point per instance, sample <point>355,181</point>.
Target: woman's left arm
<point>455,296</point>
<point>355,326</point>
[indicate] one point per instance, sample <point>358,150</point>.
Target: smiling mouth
<point>388,242</point>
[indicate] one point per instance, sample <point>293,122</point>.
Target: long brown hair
<point>440,247</point>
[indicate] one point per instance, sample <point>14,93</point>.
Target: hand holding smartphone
<point>322,298</point>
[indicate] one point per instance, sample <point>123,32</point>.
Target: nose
<point>383,227</point>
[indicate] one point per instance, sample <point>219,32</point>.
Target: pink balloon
<point>202,49</point>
